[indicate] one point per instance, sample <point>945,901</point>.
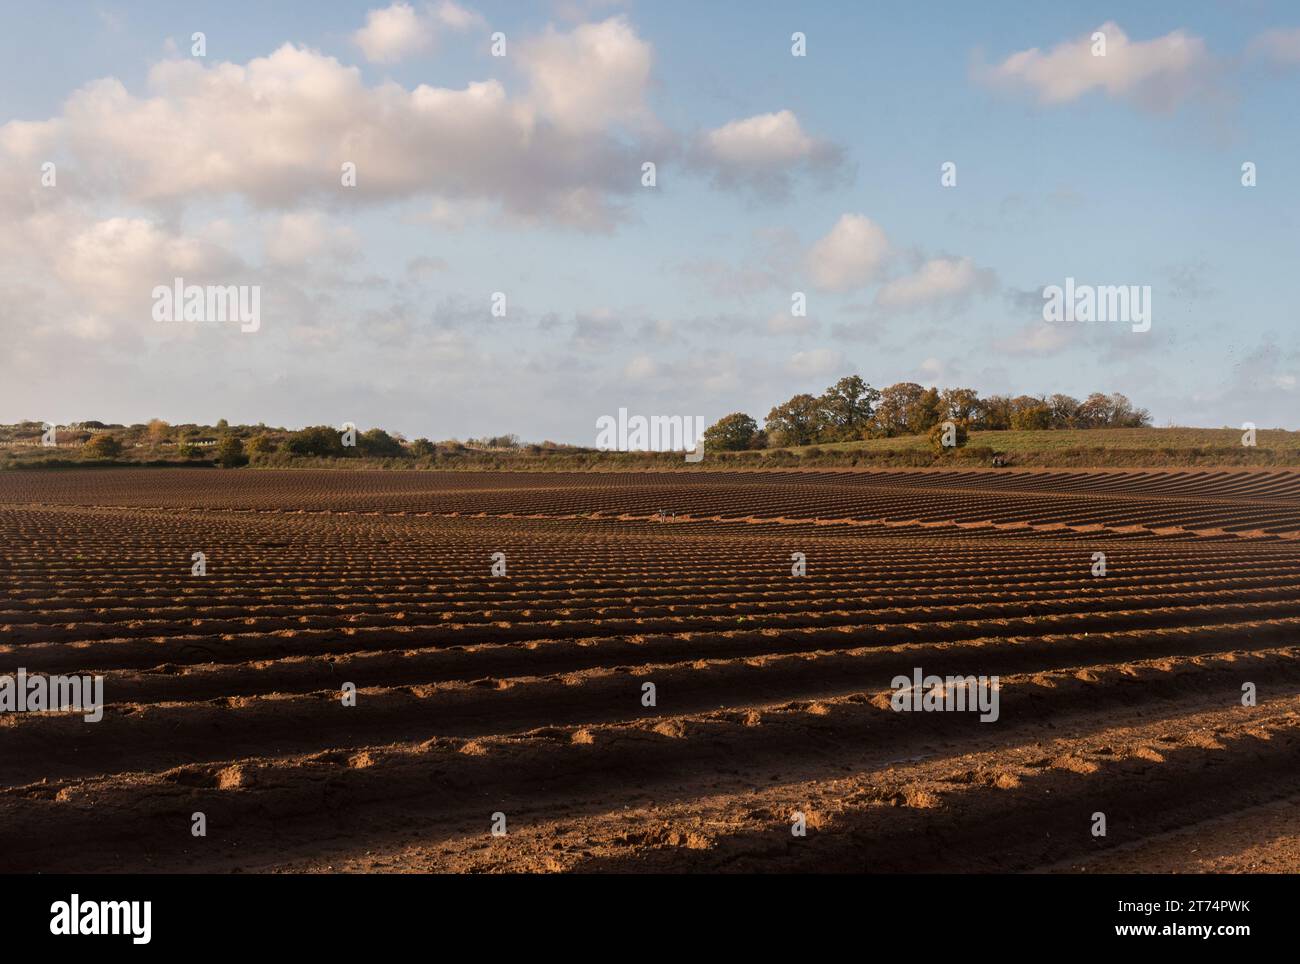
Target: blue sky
<point>521,174</point>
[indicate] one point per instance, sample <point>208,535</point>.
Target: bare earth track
<point>522,694</point>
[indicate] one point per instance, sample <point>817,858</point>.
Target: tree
<point>1064,410</point>
<point>422,447</point>
<point>995,413</point>
<point>847,409</point>
<point>1030,414</point>
<point>894,409</point>
<point>261,445</point>
<point>1094,411</point>
<point>797,422</point>
<point>1124,415</point>
<point>102,447</point>
<point>731,433</point>
<point>960,404</point>
<point>230,453</point>
<point>926,412</point>
<point>318,440</point>
<point>157,431</point>
<point>377,443</point>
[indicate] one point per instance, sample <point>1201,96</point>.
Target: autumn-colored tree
<point>102,447</point>
<point>926,412</point>
<point>847,409</point>
<point>995,413</point>
<point>961,404</point>
<point>797,422</point>
<point>1031,417</point>
<point>895,406</point>
<point>731,433</point>
<point>1065,410</point>
<point>158,432</point>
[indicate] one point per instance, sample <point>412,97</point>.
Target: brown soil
<point>523,694</point>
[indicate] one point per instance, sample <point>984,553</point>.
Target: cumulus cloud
<point>594,75</point>
<point>937,280</point>
<point>763,153</point>
<point>850,256</point>
<point>1155,74</point>
<point>278,129</point>
<point>400,31</point>
<point>94,276</point>
<point>393,34</point>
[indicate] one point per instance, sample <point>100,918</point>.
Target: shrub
<point>102,447</point>
<point>262,445</point>
<point>230,453</point>
<point>379,444</point>
<point>947,436</point>
<point>318,440</point>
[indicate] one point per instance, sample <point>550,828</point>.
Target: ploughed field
<point>520,699</point>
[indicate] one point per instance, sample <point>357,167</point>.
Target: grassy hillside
<point>1125,439</point>
<point>1081,448</point>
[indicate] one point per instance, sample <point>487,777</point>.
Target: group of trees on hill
<point>851,409</point>
<point>847,411</point>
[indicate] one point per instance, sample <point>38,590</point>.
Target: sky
<point>515,178</point>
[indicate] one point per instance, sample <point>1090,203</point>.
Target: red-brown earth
<point>522,694</point>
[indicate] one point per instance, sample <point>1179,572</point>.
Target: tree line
<point>851,409</point>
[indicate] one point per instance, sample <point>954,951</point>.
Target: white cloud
<point>939,279</point>
<point>815,361</point>
<point>595,75</point>
<point>1156,74</point>
<point>850,256</point>
<point>763,152</point>
<point>278,129</point>
<point>96,275</point>
<point>393,34</point>
<point>456,17</point>
<point>400,31</point>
